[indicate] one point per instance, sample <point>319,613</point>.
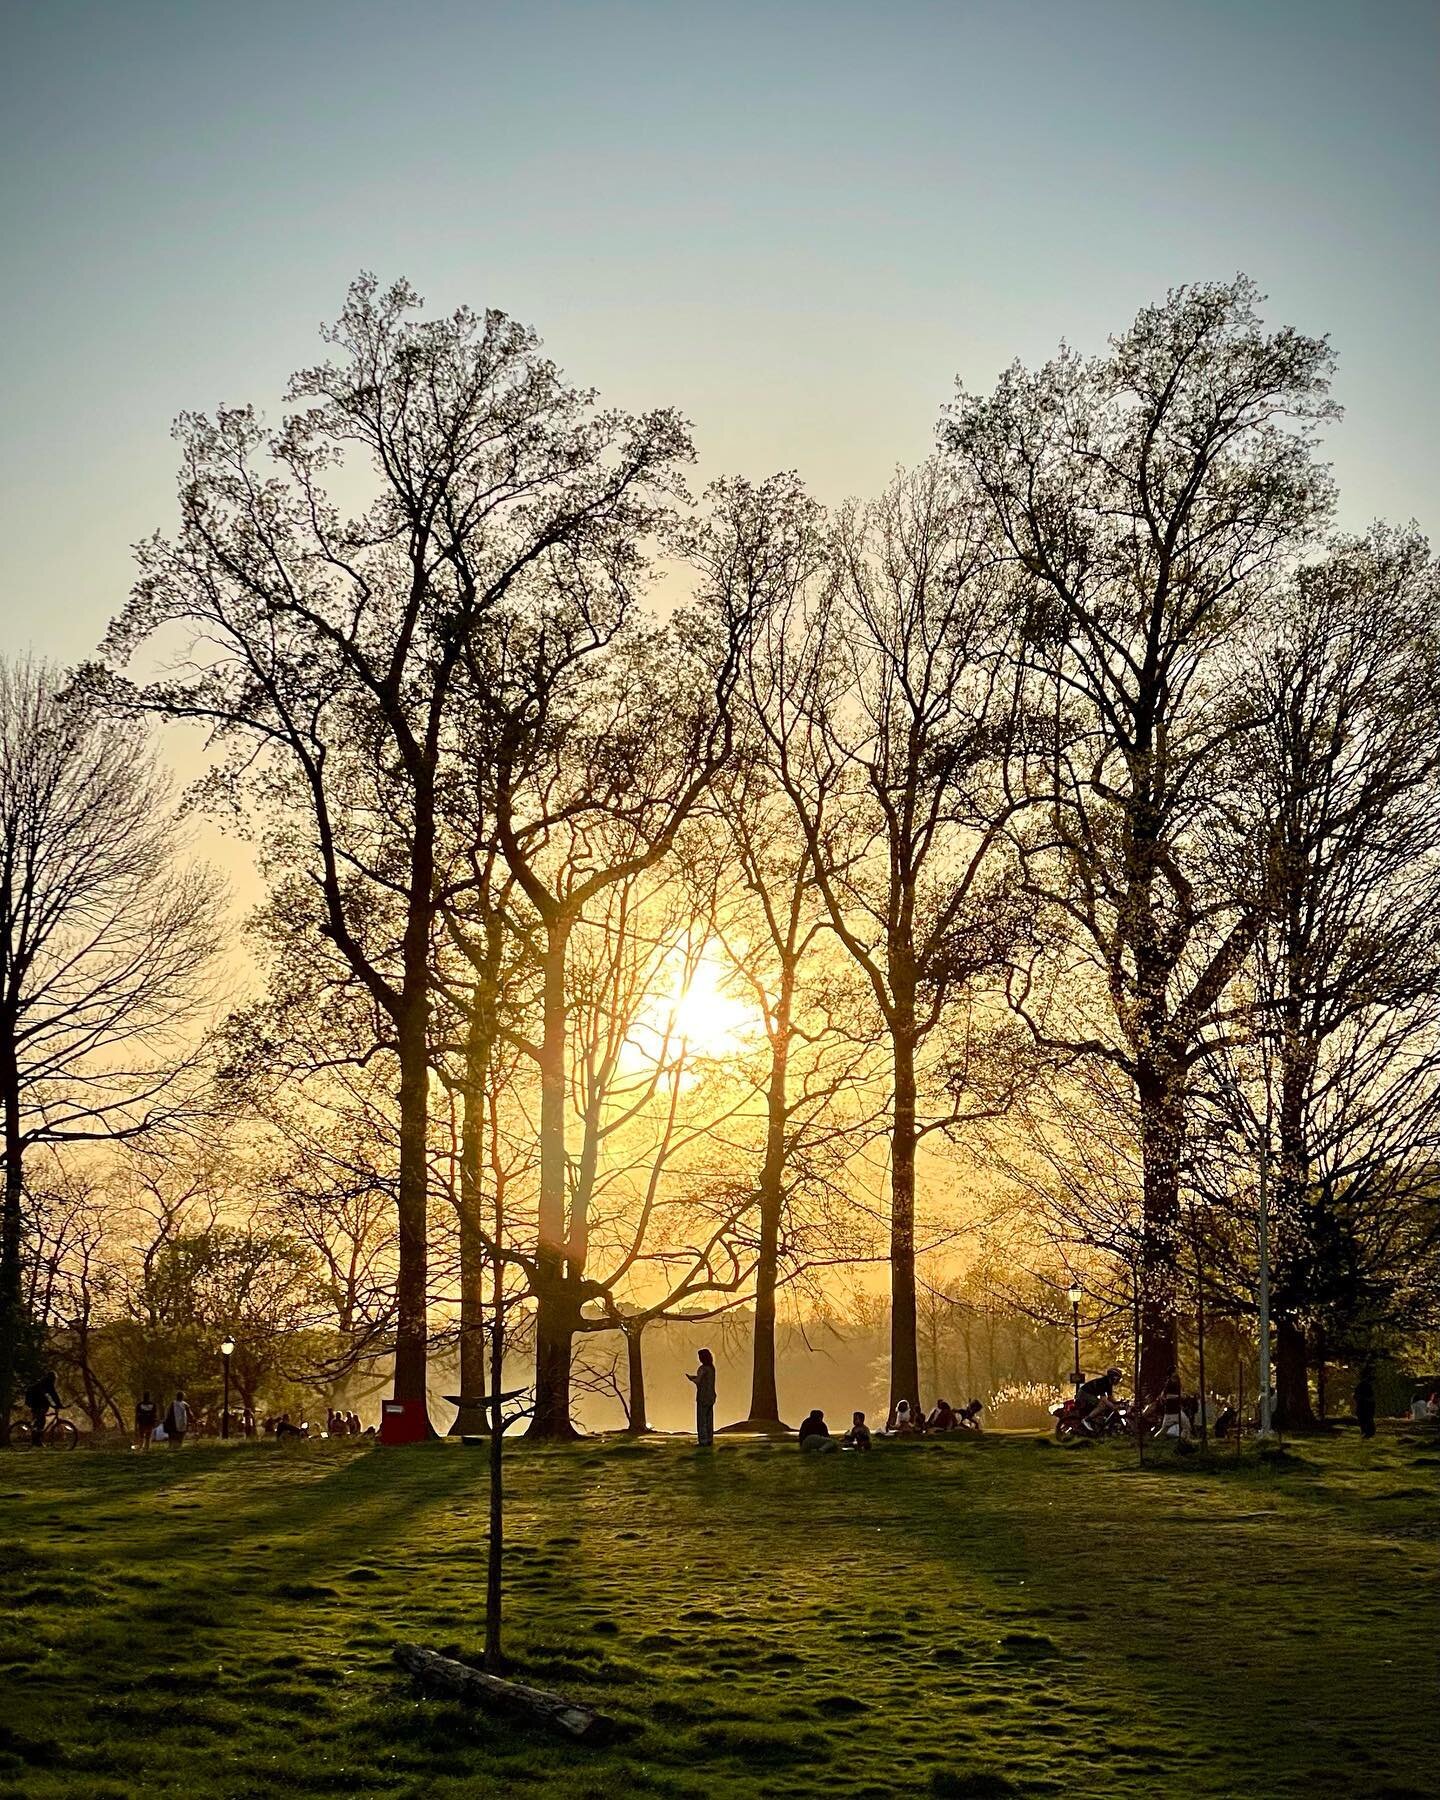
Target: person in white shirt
<point>177,1420</point>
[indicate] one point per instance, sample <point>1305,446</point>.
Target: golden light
<point>712,1021</point>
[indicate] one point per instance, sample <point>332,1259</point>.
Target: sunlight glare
<point>713,1022</point>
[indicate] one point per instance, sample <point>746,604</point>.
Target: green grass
<point>952,1619</point>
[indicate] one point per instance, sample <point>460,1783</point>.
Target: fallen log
<point>458,1678</point>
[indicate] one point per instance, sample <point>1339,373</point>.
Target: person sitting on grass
<point>942,1417</point>
<point>906,1423</point>
<point>815,1433</point>
<point>968,1417</point>
<point>1096,1399</point>
<point>858,1436</point>
<point>285,1430</point>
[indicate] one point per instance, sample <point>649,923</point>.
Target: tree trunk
<point>556,1308</point>
<point>639,1421</point>
<point>410,1281</point>
<point>471,1421</point>
<point>495,1546</point>
<point>459,1678</point>
<point>13,1335</point>
<point>904,1345</point>
<point>764,1394</point>
<point>1293,1411</point>
<point>1162,1138</point>
<point>1293,1222</point>
<point>412,1299</point>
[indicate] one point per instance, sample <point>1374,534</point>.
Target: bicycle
<point>19,1433</point>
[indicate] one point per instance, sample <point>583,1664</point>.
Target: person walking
<point>147,1417</point>
<point>1365,1400</point>
<point>703,1381</point>
<point>177,1420</point>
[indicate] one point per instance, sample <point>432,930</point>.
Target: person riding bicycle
<point>1095,1399</point>
<point>42,1397</point>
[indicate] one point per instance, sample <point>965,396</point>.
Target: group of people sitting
<point>906,1422</point>
<point>337,1424</point>
<point>815,1434</point>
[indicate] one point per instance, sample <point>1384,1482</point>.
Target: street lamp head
<point>1074,1293</point>
<point>228,1347</point>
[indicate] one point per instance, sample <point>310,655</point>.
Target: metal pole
<point>1075,1323</point>
<point>1266,1428</point>
<point>1200,1337</point>
<point>225,1409</point>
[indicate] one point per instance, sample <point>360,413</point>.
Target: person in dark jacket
<point>703,1381</point>
<point>43,1398</point>
<point>815,1433</point>
<point>147,1417</point>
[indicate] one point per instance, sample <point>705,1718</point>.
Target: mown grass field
<point>954,1618</point>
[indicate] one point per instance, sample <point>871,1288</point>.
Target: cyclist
<point>1095,1399</point>
<point>42,1397</point>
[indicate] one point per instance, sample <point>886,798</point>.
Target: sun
<point>711,1021</point>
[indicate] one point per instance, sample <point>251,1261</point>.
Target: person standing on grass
<point>147,1417</point>
<point>703,1381</point>
<point>1365,1400</point>
<point>177,1420</point>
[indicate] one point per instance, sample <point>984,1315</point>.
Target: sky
<point>799,223</point>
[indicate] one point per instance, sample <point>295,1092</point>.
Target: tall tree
<point>107,943</point>
<point>1343,799</point>
<point>607,730</point>
<point>818,1034</point>
<point>1150,498</point>
<point>753,871</point>
<point>888,730</point>
<point>322,651</point>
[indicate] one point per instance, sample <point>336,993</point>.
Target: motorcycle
<point>1072,1422</point>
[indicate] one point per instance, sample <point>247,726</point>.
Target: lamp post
<point>1267,1427</point>
<point>1075,1327</point>
<point>1267,1419</point>
<point>227,1350</point>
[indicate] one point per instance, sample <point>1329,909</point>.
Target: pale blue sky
<point>798,222</point>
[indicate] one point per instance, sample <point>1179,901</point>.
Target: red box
<point>404,1422</point>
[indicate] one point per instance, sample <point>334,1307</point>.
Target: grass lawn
<point>954,1618</point>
